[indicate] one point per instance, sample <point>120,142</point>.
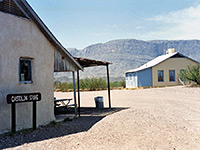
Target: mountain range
<point>126,54</point>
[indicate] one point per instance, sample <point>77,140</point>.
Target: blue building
<point>162,71</point>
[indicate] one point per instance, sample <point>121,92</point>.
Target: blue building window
<point>171,75</point>
<point>25,70</point>
<point>160,75</point>
<point>130,76</point>
<point>126,76</point>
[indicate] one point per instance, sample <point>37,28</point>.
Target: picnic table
<point>64,102</point>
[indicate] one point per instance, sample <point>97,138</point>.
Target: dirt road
<point>156,119</point>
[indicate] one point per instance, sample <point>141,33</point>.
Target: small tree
<point>192,73</point>
<point>123,83</point>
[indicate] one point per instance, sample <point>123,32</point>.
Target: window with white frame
<point>130,76</point>
<point>25,70</point>
<point>172,75</point>
<point>126,76</point>
<point>160,75</point>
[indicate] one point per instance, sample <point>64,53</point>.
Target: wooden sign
<point>25,97</point>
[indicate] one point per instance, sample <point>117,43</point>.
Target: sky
<point>80,23</point>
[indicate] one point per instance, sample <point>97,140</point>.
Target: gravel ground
<point>160,118</point>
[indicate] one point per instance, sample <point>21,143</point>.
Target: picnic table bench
<point>64,102</point>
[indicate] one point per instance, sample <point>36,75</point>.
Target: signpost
<point>22,98</point>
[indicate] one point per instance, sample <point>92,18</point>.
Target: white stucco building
<point>29,55</point>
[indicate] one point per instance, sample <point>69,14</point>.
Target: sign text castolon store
<point>21,98</point>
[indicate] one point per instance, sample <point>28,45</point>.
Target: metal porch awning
<point>84,62</point>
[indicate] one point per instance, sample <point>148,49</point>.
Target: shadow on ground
<point>87,111</point>
<point>89,117</point>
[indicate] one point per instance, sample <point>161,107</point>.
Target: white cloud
<point>140,27</point>
<point>182,24</point>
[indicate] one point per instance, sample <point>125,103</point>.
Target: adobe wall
<point>20,37</point>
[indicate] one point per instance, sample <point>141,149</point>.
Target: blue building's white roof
<point>155,62</point>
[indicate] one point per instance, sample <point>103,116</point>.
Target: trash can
<point>99,102</point>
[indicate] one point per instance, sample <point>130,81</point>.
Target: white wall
<point>132,80</point>
<point>21,38</point>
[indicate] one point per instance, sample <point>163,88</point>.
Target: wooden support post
<point>34,115</point>
<point>108,80</point>
<point>79,103</point>
<point>74,84</point>
<point>13,117</point>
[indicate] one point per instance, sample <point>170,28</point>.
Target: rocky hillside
<point>128,54</point>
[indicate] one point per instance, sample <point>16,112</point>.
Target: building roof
<point>85,62</point>
<point>158,60</point>
<point>31,14</point>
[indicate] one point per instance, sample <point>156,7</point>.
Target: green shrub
<point>118,84</point>
<point>91,84</point>
<point>192,73</point>
<point>123,83</point>
<point>54,123</point>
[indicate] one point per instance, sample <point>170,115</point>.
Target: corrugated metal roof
<point>85,62</point>
<point>154,62</point>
